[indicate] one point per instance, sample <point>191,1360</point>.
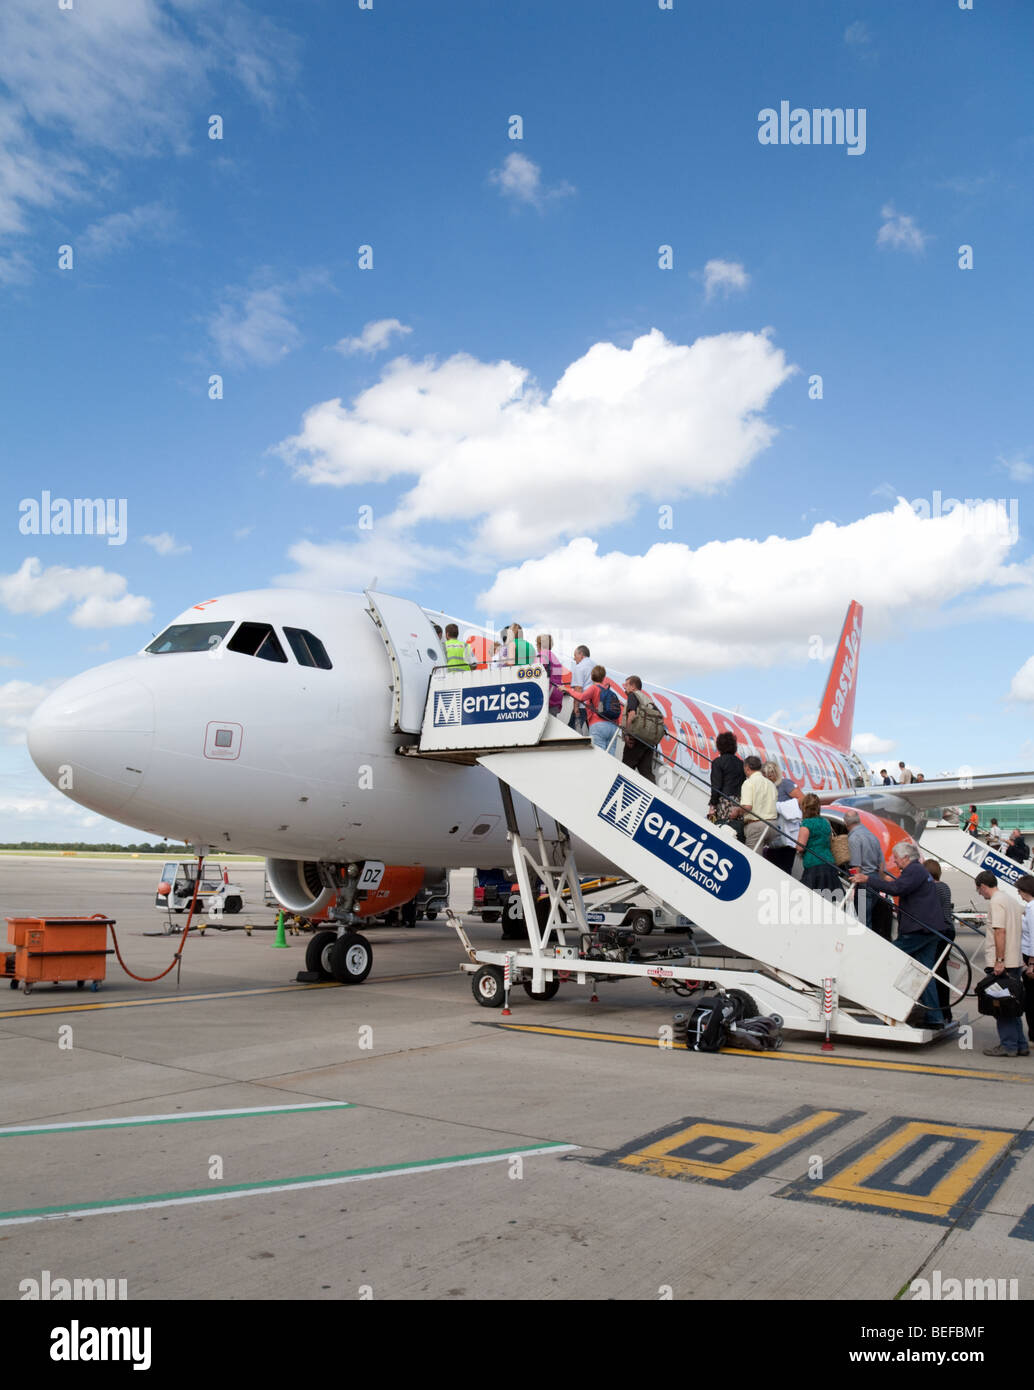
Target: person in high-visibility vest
<point>455,651</point>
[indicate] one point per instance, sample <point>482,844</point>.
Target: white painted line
<point>288,1185</point>
<point>119,1121</point>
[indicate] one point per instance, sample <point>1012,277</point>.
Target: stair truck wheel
<point>316,954</point>
<point>487,987</point>
<point>747,1006</point>
<point>350,959</point>
<point>550,990</point>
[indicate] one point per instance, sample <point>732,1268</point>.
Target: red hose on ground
<point>149,979</point>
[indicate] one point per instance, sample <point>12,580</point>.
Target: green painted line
<point>134,1121</point>
<point>272,1185</point>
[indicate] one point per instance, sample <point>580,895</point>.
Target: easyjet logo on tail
<point>836,714</point>
<point>852,642</point>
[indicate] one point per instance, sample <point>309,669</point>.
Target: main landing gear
<point>346,958</point>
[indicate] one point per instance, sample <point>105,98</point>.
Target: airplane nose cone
<point>92,739</point>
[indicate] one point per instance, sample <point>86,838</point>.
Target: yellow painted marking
<point>846,1186</point>
<point>659,1160</point>
<point>820,1058</point>
<point>195,998</point>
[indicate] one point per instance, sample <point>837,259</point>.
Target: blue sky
<point>502,267</point>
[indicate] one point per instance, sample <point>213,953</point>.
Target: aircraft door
<point>413,652</point>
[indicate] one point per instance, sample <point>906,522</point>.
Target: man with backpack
<point>644,728</point>
<point>602,709</point>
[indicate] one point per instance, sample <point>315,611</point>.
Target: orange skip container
<point>56,949</point>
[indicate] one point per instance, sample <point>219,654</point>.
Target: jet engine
<point>298,886</point>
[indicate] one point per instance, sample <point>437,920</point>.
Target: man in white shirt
<point>758,799</point>
<point>1002,957</point>
<point>581,668</point>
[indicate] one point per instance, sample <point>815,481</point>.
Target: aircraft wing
<point>963,791</point>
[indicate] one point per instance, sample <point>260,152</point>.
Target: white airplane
<point>268,722</point>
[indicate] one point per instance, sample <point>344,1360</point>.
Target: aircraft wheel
<point>487,987</point>
<point>317,954</point>
<point>547,993</point>
<point>350,958</point>
<point>233,904</point>
<point>641,923</point>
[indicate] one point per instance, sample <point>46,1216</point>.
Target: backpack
<point>608,706</point>
<point>647,724</point>
<point>706,1027</point>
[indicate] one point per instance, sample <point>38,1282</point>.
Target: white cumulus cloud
<point>374,338</point>
<point>724,277</point>
<point>900,233</point>
<point>871,745</point>
<point>520,179</point>
<point>485,444</point>
<point>98,596</point>
<point>165,544</point>
<point>756,602</point>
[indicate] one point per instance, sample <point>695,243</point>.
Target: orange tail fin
<point>836,713</point>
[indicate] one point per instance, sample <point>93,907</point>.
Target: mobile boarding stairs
<point>798,954</point>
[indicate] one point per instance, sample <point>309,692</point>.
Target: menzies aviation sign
<point>706,859</point>
<point>493,708</point>
<point>1006,869</point>
<point>488,704</point>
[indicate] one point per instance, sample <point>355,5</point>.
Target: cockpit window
<point>257,639</point>
<point>308,649</point>
<point>190,637</point>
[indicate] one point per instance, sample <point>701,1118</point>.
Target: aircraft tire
<point>314,957</point>
<point>487,987</point>
<point>350,959</point>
